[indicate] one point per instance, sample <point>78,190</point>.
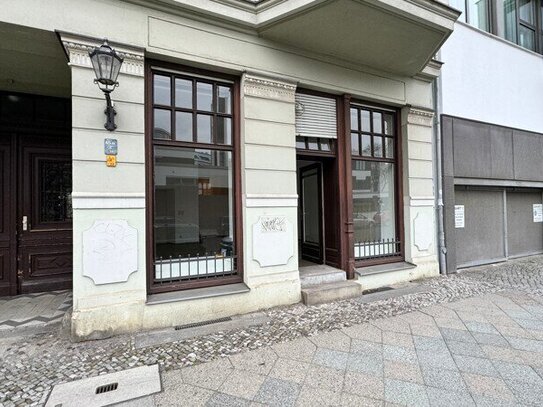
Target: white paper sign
<point>459,219</point>
<point>538,213</point>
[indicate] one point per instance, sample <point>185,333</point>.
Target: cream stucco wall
<point>267,149</point>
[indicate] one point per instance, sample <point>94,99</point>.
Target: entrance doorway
<point>35,212</point>
<point>311,222</point>
<point>318,211</point>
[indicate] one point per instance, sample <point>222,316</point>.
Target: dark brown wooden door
<point>7,229</point>
<point>44,221</point>
<point>311,213</point>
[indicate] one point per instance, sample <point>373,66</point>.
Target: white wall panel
<point>488,79</point>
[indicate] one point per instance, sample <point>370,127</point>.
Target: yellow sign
<point>111,160</point>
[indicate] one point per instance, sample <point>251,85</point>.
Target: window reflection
<point>193,202</point>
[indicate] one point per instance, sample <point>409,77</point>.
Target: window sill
<point>197,294</point>
<point>384,268</point>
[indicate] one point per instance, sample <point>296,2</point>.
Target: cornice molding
<point>420,116</point>
<point>77,50</point>
<point>268,88</point>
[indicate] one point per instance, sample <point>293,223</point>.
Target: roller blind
<point>316,116</point>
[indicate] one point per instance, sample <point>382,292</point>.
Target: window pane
<point>162,90</point>
<point>388,120</point>
<point>527,11</point>
<point>478,14</point>
<point>355,148</point>
<point>300,142</point>
<point>183,93</point>
<point>377,126</point>
<point>373,209</point>
<point>365,119</point>
<point>325,144</point>
<point>377,146</point>
<point>162,124</point>
<point>461,6</point>
<point>224,130</point>
<point>389,148</point>
<point>193,202</point>
<point>354,120</point>
<point>183,126</point>
<point>55,190</point>
<point>507,19</point>
<point>366,145</point>
<point>526,38</point>
<point>224,100</point>
<point>204,128</point>
<point>312,143</point>
<point>204,96</point>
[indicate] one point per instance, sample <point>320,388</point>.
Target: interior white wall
<point>488,79</point>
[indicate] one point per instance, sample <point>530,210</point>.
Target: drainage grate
<point>377,290</point>
<point>211,321</point>
<point>106,388</point>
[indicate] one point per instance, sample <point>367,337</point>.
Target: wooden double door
<point>35,212</point>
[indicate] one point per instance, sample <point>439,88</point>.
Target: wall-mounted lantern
<point>106,63</point>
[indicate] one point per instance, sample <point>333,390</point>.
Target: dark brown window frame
<point>154,66</point>
<point>398,174</point>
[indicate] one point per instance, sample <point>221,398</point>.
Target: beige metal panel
<point>89,114</point>
<point>94,176</point>
<point>270,182</point>
<point>270,158</point>
<point>88,145</point>
<point>268,133</point>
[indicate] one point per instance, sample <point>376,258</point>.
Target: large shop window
<point>374,166</point>
<point>194,191</point>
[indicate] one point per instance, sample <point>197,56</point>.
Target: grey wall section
<point>481,240</point>
<point>524,236</point>
<point>482,154</point>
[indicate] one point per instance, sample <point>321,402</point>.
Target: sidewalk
<point>368,347</point>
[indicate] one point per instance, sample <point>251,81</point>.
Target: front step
<point>320,274</point>
<point>331,292</point>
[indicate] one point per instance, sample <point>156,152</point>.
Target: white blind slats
<point>316,116</point>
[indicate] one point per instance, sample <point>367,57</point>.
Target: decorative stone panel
<point>110,251</point>
<point>77,48</point>
<point>273,241</point>
<point>420,117</point>
<point>268,88</point>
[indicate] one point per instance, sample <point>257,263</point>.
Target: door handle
<point>25,223</point>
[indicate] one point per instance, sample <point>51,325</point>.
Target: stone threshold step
<point>331,292</point>
<point>320,274</point>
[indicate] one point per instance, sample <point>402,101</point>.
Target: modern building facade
<point>491,91</point>
<point>252,138</point>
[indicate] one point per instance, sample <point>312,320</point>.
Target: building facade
<point>491,91</point>
<point>253,138</point>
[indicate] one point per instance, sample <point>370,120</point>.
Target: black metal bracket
<point>110,114</point>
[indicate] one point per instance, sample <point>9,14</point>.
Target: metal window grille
<point>207,266</point>
<point>377,249</point>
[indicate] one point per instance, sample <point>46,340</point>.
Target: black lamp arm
<point>110,114</point>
